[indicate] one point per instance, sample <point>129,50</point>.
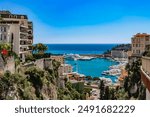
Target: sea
<point>93,67</point>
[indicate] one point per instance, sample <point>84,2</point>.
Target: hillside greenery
<point>133,87</point>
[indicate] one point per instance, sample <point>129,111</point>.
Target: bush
<point>40,56</point>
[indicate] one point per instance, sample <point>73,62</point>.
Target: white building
<point>119,54</point>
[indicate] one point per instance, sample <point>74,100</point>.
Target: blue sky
<point>83,21</point>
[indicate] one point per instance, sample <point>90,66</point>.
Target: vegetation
<point>32,83</point>
<point>5,46</point>
<point>125,47</point>
<point>40,48</point>
<point>29,58</point>
<point>133,84</point>
<point>38,52</point>
<point>133,87</point>
<point>147,52</point>
<point>39,56</point>
<point>75,91</point>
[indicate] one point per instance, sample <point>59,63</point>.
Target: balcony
<point>29,42</point>
<point>30,37</point>
<point>145,72</point>
<point>23,43</point>
<point>22,50</point>
<point>23,36</point>
<point>23,30</point>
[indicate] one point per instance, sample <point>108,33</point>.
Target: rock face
<point>31,84</point>
<point>49,92</point>
<point>9,65</point>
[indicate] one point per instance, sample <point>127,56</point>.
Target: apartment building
<point>139,43</point>
<point>18,31</point>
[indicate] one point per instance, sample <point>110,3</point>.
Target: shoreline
<point>103,76</point>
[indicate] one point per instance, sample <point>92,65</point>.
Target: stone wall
<point>44,63</point>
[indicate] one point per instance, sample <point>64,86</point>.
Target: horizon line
<point>81,43</point>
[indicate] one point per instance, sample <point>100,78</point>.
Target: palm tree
<point>41,48</point>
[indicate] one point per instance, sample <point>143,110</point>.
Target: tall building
<point>139,43</point>
<point>18,31</point>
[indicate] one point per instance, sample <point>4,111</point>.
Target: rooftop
<point>141,34</point>
<point>8,14</point>
<point>5,12</point>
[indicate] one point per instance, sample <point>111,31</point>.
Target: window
<point>133,45</point>
<point>147,39</point>
<point>4,29</point>
<point>5,37</point>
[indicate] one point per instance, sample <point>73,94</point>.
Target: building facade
<point>139,43</point>
<point>64,69</point>
<point>119,54</point>
<point>18,31</point>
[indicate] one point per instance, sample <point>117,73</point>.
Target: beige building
<point>64,69</point>
<point>18,31</point>
<point>139,42</point>
<point>58,58</point>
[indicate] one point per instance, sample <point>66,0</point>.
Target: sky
<point>83,21</point>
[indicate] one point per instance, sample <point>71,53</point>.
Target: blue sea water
<point>78,48</point>
<point>94,67</point>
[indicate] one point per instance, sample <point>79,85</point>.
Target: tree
<point>40,48</point>
<point>106,93</point>
<point>112,94</point>
<point>102,87</point>
<point>134,80</point>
